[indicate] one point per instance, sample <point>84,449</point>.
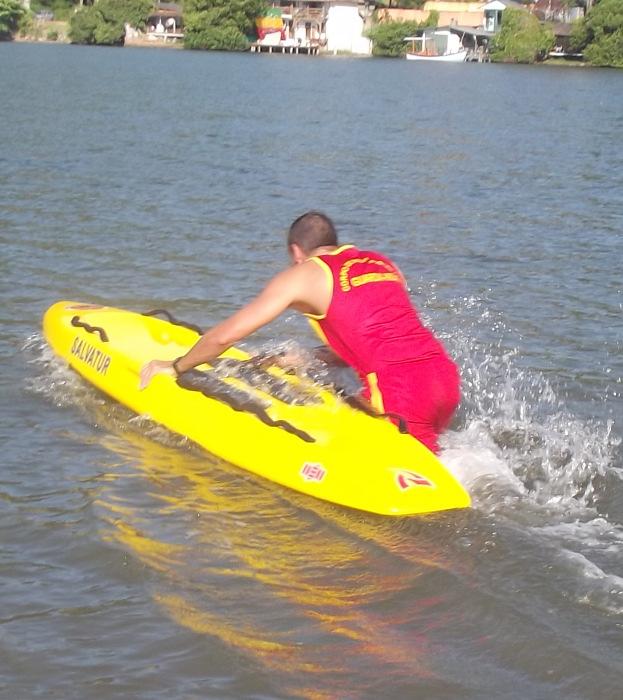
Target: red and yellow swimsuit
<point>373,327</point>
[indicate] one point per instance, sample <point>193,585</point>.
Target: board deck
<point>279,426</point>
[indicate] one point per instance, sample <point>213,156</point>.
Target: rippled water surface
<point>137,566</point>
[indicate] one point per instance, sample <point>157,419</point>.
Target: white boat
<point>436,45</point>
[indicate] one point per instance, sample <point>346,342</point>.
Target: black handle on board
<point>77,323</point>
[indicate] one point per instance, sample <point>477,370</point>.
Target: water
<point>135,565</point>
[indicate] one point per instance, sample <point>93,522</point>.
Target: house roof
<point>550,5</point>
<point>472,31</point>
<point>166,9</point>
<point>454,29</point>
<point>503,5</point>
<point>169,6</point>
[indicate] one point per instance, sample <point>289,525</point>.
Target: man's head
<point>310,231</point>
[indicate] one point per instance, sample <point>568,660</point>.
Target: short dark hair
<point>312,230</point>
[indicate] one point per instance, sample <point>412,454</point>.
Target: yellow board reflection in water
<point>298,590</point>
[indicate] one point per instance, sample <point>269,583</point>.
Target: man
<point>358,302</point>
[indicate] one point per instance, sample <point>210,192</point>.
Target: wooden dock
<point>284,48</point>
<point>164,37</point>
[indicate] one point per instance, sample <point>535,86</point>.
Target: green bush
<point>11,12</point>
<point>27,26</point>
<point>83,25</point>
<point>61,9</point>
<point>522,38</point>
<point>388,38</point>
<point>606,51</point>
<point>221,25</point>
<point>104,23</point>
<point>52,35</point>
<point>223,38</point>
<point>600,34</point>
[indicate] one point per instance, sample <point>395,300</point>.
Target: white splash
<point>531,464</point>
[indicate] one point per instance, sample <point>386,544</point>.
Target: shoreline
<point>145,43</point>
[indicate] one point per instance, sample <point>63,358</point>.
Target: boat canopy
<point>435,42</point>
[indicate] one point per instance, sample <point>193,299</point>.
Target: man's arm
<point>286,288</point>
<point>274,299</point>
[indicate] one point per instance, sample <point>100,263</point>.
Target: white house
<point>331,25</point>
<point>345,27</point>
<point>493,13</point>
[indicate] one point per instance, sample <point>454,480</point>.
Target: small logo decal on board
<point>406,479</point>
<point>312,471</point>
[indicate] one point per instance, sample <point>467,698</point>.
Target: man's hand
<point>151,369</point>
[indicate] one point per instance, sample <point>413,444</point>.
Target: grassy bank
<point>45,30</point>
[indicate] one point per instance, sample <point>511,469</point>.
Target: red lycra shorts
<point>425,394</point>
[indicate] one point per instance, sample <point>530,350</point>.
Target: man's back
<point>370,321</point>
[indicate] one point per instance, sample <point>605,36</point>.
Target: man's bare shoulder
<point>303,287</point>
<point>304,273</point>
<point>313,289</point>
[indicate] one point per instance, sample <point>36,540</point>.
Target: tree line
<point>524,39</point>
<point>225,25</point>
<point>230,25</point>
<point>598,36</point>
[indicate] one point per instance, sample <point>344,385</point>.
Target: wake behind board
<point>273,424</point>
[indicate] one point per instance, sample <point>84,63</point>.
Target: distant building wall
<point>466,14</point>
<point>557,11</point>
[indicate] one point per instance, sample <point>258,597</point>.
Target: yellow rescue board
<point>289,431</point>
